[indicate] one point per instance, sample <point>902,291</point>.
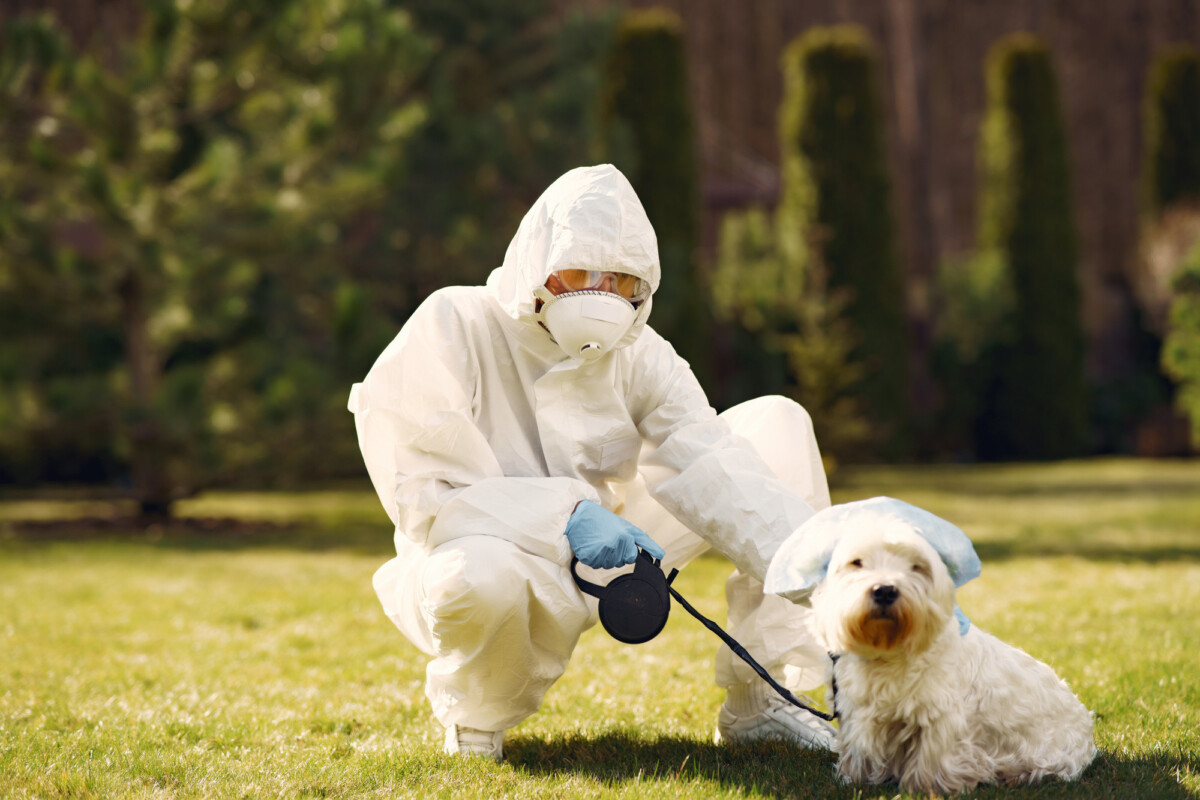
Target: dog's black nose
<point>885,594</point>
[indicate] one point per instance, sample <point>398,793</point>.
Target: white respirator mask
<point>585,324</point>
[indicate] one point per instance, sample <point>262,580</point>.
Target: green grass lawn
<point>210,661</point>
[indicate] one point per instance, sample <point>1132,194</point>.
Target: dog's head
<point>884,574</point>
<point>886,590</point>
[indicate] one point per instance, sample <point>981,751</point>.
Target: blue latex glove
<point>603,540</point>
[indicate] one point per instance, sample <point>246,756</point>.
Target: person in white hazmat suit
<point>512,425</point>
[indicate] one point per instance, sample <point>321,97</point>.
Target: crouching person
<point>511,426</point>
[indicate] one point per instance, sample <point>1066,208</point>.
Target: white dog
<point>923,698</point>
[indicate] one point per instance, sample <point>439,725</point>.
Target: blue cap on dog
<point>803,559</point>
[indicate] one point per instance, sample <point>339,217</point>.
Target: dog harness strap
<point>745,656</point>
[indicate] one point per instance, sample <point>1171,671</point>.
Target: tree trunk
<point>151,480</point>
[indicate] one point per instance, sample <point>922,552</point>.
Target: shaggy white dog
<point>919,701</point>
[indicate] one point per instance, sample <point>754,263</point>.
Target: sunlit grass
<point>216,664</point>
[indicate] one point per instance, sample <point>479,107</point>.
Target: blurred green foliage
<point>975,320</point>
<point>837,206</point>
<point>509,91</point>
<point>1171,196</point>
<point>647,131</point>
<point>790,333</point>
<point>1172,128</point>
<point>172,212</point>
<point>1181,348</point>
<point>1012,336</point>
<point>210,230</point>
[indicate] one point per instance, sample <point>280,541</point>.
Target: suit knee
<point>782,433</point>
<point>778,413</point>
<point>472,578</point>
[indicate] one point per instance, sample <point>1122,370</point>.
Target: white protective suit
<point>480,437</point>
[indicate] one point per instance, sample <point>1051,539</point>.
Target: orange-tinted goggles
<point>628,286</point>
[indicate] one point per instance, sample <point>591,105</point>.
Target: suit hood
<point>590,218</point>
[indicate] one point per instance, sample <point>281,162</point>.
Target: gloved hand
<point>603,540</point>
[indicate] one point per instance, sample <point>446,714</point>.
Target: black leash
<point>745,656</point>
<point>633,608</point>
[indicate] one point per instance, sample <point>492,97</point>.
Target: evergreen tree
<point>837,204</point>
<point>1036,398</point>
<point>1172,129</point>
<point>1181,349</point>
<point>1169,220</point>
<point>509,96</point>
<point>790,331</point>
<point>647,132</point>
<point>975,319</point>
<point>171,217</point>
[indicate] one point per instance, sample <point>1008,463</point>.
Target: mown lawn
<point>210,660</point>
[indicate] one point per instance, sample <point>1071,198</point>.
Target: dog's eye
<point>856,562</point>
<point>921,569</point>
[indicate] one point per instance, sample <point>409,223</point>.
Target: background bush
<point>172,212</point>
<point>1025,368</point>
<point>1181,349</point>
<point>836,210</point>
<point>1170,230</point>
<point>1172,128</point>
<point>509,93</point>
<point>647,131</point>
<point>790,334</point>
<point>212,231</point>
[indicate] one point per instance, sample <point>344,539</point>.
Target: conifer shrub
<point>1034,399</point>
<point>837,203</point>
<point>1170,230</point>
<point>646,130</point>
<point>1172,128</point>
<point>790,332</point>
<point>1181,348</point>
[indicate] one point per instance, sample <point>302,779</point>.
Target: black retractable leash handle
<point>633,606</point>
<point>634,609</point>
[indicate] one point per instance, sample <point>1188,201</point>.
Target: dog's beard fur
<point>918,702</point>
<point>881,629</point>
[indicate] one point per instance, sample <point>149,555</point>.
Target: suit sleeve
<point>707,477</point>
<point>431,465</point>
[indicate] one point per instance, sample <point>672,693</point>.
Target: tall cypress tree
<point>1172,127</point>
<point>647,132</point>
<point>837,207</point>
<point>1172,178</point>
<point>1181,349</point>
<point>1036,403</point>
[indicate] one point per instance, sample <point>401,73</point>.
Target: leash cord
<point>745,656</point>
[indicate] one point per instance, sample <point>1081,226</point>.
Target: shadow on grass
<point>1148,554</point>
<point>1168,480</point>
<point>228,533</point>
<point>773,769</point>
<point>203,534</point>
<point>768,768</point>
<point>973,487</point>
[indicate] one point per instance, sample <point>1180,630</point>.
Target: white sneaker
<point>779,720</point>
<point>462,741</point>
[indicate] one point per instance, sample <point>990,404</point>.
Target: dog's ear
<point>802,561</point>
